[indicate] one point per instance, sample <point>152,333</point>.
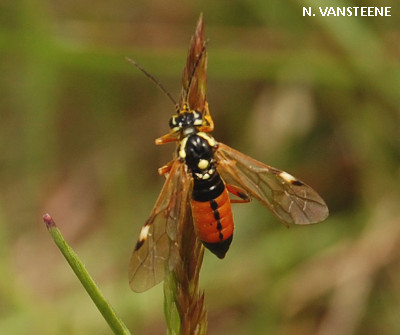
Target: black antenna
<point>154,80</point>
<point>195,67</point>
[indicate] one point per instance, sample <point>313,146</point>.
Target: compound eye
<point>175,122</point>
<point>172,122</point>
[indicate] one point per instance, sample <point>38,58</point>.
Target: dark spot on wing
<point>139,244</point>
<point>297,182</point>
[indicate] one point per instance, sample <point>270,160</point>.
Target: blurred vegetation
<point>318,97</point>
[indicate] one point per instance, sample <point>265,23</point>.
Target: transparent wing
<point>292,201</point>
<point>155,253</point>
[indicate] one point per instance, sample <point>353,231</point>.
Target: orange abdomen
<point>213,222</point>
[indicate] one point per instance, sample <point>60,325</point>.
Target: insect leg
<point>166,168</point>
<point>167,138</point>
<point>239,192</point>
<point>209,123</point>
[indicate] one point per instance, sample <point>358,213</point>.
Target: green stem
<point>83,275</point>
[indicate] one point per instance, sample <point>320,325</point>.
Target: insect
<point>199,180</point>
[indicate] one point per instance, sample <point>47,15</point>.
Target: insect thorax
<point>197,150</point>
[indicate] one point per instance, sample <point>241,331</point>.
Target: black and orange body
<point>203,173</point>
<point>210,203</point>
<point>212,216</point>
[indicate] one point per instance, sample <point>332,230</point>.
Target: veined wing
<point>155,253</point>
<point>292,201</point>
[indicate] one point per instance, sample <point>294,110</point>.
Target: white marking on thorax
<point>211,141</point>
<point>203,164</point>
<point>182,152</point>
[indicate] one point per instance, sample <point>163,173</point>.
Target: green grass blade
<point>83,275</point>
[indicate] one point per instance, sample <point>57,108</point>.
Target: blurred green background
<point>318,97</point>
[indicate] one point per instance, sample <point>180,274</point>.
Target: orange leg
<point>167,139</point>
<point>165,168</point>
<point>239,192</point>
<point>209,126</point>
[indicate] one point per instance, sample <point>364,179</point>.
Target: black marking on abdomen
<point>206,190</point>
<point>214,207</point>
<point>219,248</point>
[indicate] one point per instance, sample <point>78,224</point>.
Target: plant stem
<point>183,303</point>
<point>83,275</point>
